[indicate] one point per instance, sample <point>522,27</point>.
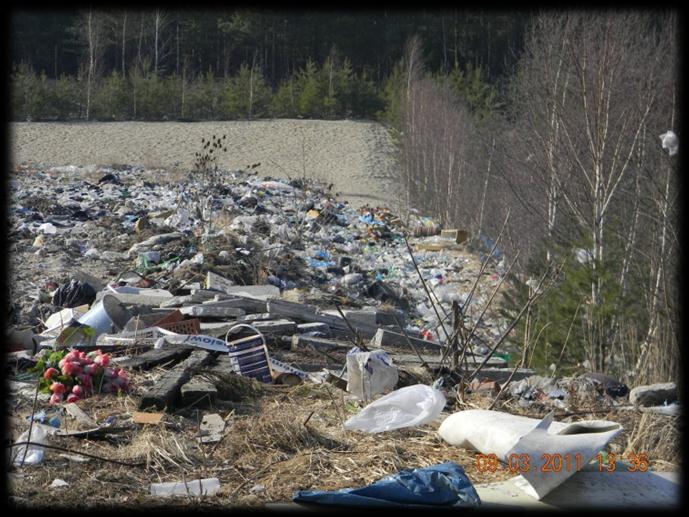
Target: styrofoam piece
<point>196,487</point>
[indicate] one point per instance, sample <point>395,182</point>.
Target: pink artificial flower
<point>71,368</point>
<point>55,398</point>
<point>49,373</point>
<point>58,388</point>
<point>102,360</point>
<point>72,398</point>
<point>84,379</point>
<point>78,391</point>
<point>90,369</point>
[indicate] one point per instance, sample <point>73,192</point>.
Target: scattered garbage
<point>411,406</point>
<point>193,301</point>
<point>438,485</point>
<point>513,439</point>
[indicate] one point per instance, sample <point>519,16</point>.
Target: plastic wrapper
<point>411,406</point>
<point>370,373</point>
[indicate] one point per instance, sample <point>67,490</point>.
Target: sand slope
<point>357,157</point>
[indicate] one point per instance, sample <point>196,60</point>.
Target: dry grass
<point>278,439</point>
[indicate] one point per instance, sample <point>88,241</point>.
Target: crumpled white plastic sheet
<point>509,436</point>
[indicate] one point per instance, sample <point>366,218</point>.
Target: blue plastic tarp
<point>438,485</point>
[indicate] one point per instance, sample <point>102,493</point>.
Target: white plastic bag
<point>411,406</point>
<point>370,373</point>
<point>34,456</point>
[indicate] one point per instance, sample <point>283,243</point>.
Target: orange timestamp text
<point>556,462</point>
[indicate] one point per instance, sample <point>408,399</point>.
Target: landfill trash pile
<point>214,334</point>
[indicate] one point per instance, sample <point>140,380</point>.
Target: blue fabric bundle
<point>438,485</point>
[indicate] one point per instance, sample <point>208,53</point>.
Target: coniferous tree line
<point>199,65</point>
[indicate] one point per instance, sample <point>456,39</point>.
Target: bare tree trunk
<point>485,188</point>
<point>251,84</point>
<point>124,32</point>
<point>157,20</point>
<point>141,38</point>
<point>91,36</point>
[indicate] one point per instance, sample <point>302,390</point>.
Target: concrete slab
<point>589,489</point>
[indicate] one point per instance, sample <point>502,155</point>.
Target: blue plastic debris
<point>438,485</point>
<point>487,245</point>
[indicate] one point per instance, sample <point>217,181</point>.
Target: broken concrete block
<point>198,391</point>
<point>654,394</point>
<point>250,305</point>
<point>384,337</point>
<point>218,283</point>
<point>299,342</point>
<point>322,328</point>
<point>206,311</point>
<point>275,326</point>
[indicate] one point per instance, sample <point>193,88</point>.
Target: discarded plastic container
<point>106,316</point>
<point>410,406</point>
<point>370,373</point>
<point>207,486</point>
<point>249,355</point>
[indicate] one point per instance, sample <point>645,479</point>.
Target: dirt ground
<point>357,157</point>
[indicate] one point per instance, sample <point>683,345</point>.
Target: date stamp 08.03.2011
<point>556,462</point>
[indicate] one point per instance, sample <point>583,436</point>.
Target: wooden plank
<point>164,393</point>
<point>140,417</point>
<point>154,357</point>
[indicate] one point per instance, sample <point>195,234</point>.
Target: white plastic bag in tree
<point>670,142</point>
<point>410,406</point>
<point>514,437</point>
<point>370,373</point>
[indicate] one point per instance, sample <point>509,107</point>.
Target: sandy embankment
<point>357,157</point>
